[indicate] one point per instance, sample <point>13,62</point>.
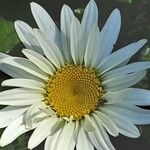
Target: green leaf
<point>79,11</point>
<point>146,54</point>
<point>8,36</point>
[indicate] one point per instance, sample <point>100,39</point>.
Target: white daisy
<point>70,89</point>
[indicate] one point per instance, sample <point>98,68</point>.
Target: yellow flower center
<point>74,91</point>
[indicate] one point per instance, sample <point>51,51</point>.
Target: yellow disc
<point>73,91</point>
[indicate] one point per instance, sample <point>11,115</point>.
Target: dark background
<point>135,26</point>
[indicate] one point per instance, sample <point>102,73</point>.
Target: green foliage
<point>8,37</point>
<point>79,11</point>
<point>147,54</point>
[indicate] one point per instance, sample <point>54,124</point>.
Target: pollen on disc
<point>73,91</point>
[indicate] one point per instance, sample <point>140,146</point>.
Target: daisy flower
<point>71,89</point>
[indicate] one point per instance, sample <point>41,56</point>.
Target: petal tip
<point>24,51</point>
<point>33,4</point>
<point>142,42</point>
<point>17,22</point>
<point>145,41</point>
<point>66,8</point>
<point>4,83</point>
<point>30,147</point>
<point>92,2</point>
<point>117,10</point>
<point>20,24</point>
<point>2,143</point>
<point>116,13</point>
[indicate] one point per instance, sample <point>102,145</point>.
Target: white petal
<point>109,34</point>
<point>47,145</point>
<point>34,114</point>
<point>41,132</point>
<point>51,141</point>
<point>101,136</point>
<point>2,56</point>
<point>87,124</point>
<point>119,83</point>
<point>133,96</point>
<point>9,114</point>
<point>66,139</point>
<point>90,17</point>
<point>18,90</point>
<point>94,140</point>
<point>25,83</point>
<point>14,130</point>
<point>66,19</point>
<point>107,122</point>
<point>124,63</point>
<point>76,131</point>
<point>83,143</point>
<point>17,72</point>
<point>131,68</point>
<point>31,113</point>
<point>57,126</point>
<point>19,97</point>
<point>76,47</point>
<point>95,58</point>
<point>25,65</point>
<point>14,71</point>
<point>50,49</point>
<point>47,110</point>
<point>45,23</point>
<point>39,61</point>
<point>120,56</point>
<point>90,47</point>
<point>25,33</point>
<point>133,113</point>
<point>123,124</point>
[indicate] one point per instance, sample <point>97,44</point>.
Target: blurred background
<point>135,26</point>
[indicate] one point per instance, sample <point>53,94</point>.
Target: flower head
<point>71,89</point>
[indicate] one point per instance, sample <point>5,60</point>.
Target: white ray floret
<point>9,113</point>
<point>46,23</point>
<point>66,18</point>
<point>25,33</point>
